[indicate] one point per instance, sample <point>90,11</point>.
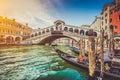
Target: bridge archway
<point>51,29</point>
<point>76,31</point>
<point>82,32</point>
<point>86,33</point>
<point>9,39</point>
<point>52,38</point>
<point>36,34</point>
<point>43,32</point>
<point>71,29</point>
<point>32,35</point>
<point>65,29</point>
<point>47,30</point>
<point>95,34</point>
<point>39,33</point>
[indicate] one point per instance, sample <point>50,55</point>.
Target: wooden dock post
<point>102,53</point>
<point>80,47</point>
<point>91,54</point>
<point>111,37</point>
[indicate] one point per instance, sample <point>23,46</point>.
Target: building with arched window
<point>12,32</point>
<point>115,17</point>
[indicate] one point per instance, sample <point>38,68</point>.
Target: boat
<point>74,49</point>
<point>53,52</point>
<point>72,60</point>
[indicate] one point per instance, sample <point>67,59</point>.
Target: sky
<point>43,13</point>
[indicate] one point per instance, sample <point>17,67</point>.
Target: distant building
<point>96,25</point>
<point>12,32</point>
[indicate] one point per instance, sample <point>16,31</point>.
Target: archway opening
<point>71,29</point>
<point>2,39</point>
<point>81,32</point>
<point>43,32</point>
<point>9,40</point>
<point>76,30</point>
<point>86,33</point>
<point>39,33</point>
<point>65,29</point>
<point>51,29</point>
<point>64,41</point>
<point>36,34</point>
<point>17,39</point>
<point>32,35</point>
<point>47,30</point>
<point>51,38</point>
<point>95,34</point>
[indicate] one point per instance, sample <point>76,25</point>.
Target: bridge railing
<point>38,36</point>
<point>75,34</point>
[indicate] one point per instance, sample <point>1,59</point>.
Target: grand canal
<point>36,63</point>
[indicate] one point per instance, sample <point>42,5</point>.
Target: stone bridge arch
<point>41,36</point>
<point>49,39</point>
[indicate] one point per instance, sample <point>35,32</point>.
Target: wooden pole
<point>102,53</point>
<point>82,46</point>
<point>80,49</point>
<point>112,40</point>
<point>91,55</point>
<point>96,45</point>
<point>72,42</point>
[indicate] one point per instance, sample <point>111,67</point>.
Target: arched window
<point>47,30</point>
<point>39,33</point>
<point>81,32</point>
<point>76,30</point>
<point>95,34</point>
<point>86,33</point>
<point>36,34</point>
<point>51,29</point>
<point>43,32</point>
<point>9,39</point>
<point>115,33</point>
<point>32,35</point>
<point>71,29</point>
<point>17,39</point>
<point>65,29</point>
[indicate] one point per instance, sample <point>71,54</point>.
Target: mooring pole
<point>102,53</point>
<point>80,48</point>
<point>91,54</point>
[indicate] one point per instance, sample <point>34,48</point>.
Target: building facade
<point>105,19</point>
<point>115,17</point>
<point>96,25</point>
<point>111,16</point>
<point>12,32</point>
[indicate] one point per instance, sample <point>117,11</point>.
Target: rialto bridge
<point>58,30</point>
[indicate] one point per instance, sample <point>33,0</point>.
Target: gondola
<point>72,60</point>
<point>74,49</point>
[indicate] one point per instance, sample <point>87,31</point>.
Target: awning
<point>117,38</point>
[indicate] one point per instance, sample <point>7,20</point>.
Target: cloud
<point>33,12</point>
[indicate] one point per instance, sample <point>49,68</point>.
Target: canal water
<point>36,63</point>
